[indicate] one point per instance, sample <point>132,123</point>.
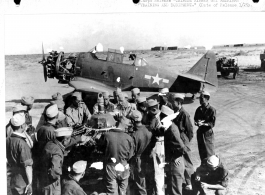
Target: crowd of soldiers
<point>150,142</point>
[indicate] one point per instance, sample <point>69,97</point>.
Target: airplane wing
<point>88,85</point>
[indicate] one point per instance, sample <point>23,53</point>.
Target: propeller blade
<point>45,72</point>
<point>43,56</point>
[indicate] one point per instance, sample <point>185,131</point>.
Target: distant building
<point>158,48</point>
<point>238,45</point>
<point>173,48</point>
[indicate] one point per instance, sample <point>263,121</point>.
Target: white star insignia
<point>156,79</point>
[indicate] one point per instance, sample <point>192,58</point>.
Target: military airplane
<point>88,73</point>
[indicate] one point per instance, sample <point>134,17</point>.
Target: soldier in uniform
<point>78,112</point>
<point>163,98</point>
<point>186,133</point>
<point>107,105</point>
<point>124,108</point>
<point>28,101</point>
<point>16,110</point>
<point>211,175</point>
<point>157,154</point>
<point>142,137</point>
<point>118,149</point>
<point>174,150</point>
<point>52,161</point>
<point>135,94</point>
<point>19,159</point>
<point>142,107</point>
<point>70,184</point>
<point>204,118</point>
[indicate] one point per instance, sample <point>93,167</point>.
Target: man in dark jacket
<point>186,134</point>
<point>52,162</point>
<point>118,149</point>
<point>19,159</point>
<point>174,150</point>
<point>142,137</point>
<point>70,185</point>
<point>211,175</point>
<point>204,118</point>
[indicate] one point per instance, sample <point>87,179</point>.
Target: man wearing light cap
<point>124,108</point>
<point>70,185</point>
<point>186,133</point>
<point>16,110</point>
<point>174,151</point>
<point>157,153</point>
<point>142,107</point>
<point>118,148</point>
<point>52,162</point>
<point>135,94</point>
<point>211,175</point>
<point>27,101</point>
<point>163,98</point>
<point>19,159</point>
<point>103,102</point>
<point>204,118</point>
<point>77,113</point>
<point>142,137</point>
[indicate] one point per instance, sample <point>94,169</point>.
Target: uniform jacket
<point>185,126</point>
<point>118,145</point>
<point>77,115</point>
<point>174,146</point>
<point>126,111</point>
<point>71,187</point>
<point>142,137</point>
<point>217,176</point>
<point>18,156</point>
<point>208,114</point>
<point>52,161</point>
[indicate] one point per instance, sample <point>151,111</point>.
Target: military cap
<point>63,131</point>
<point>79,166</point>
<point>52,111</point>
<point>77,95</point>
<point>105,94</point>
<point>206,93</point>
<point>163,92</point>
<point>179,96</point>
<point>60,104</point>
<point>27,100</point>
<point>213,161</point>
<point>57,96</point>
<point>19,107</point>
<point>140,99</point>
<point>135,90</point>
<point>166,110</point>
<point>152,102</point>
<point>18,119</point>
<point>136,115</point>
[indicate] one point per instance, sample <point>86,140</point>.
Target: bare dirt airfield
<point>240,104</point>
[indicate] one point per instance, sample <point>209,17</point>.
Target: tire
<point>225,73</point>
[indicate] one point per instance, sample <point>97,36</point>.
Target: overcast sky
<point>24,33</point>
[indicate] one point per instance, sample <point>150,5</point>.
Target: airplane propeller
<point>44,65</point>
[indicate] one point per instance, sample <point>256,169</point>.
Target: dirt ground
<point>240,104</point>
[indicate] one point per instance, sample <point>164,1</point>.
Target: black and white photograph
<point>133,97</point>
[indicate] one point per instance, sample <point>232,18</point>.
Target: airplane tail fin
<point>205,68</point>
